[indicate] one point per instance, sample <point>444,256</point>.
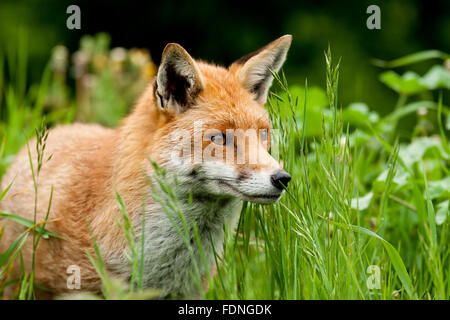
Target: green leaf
<point>411,59</point>
<point>437,77</point>
<point>439,188</point>
<point>408,84</point>
<point>7,254</point>
<point>401,178</point>
<point>362,203</point>
<point>359,137</point>
<point>4,192</point>
<point>411,83</point>
<point>358,114</point>
<point>445,145</point>
<point>412,108</point>
<point>442,213</point>
<point>28,223</point>
<point>316,97</point>
<point>419,148</point>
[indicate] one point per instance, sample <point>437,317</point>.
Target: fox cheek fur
<point>91,163</point>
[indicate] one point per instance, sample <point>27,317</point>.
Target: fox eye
<point>219,138</point>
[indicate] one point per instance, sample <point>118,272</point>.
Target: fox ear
<point>178,81</point>
<point>254,71</point>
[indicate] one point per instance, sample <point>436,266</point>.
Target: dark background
<point>224,31</point>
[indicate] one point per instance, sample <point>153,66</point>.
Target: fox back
<point>204,125</point>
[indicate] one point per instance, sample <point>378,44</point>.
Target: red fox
<point>91,164</point>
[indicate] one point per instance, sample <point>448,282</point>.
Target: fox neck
<point>173,251</point>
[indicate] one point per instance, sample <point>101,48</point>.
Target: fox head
<point>213,131</point>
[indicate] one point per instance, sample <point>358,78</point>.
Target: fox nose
<point>280,179</point>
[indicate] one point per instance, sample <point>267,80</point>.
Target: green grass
<point>365,194</point>
<point>314,244</point>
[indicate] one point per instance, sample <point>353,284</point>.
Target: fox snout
<point>280,179</point>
